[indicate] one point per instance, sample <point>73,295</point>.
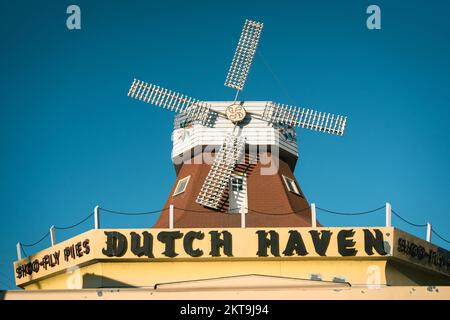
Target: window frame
<point>240,185</point>
<point>176,191</point>
<point>287,182</point>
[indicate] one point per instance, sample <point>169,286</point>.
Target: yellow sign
<point>228,244</point>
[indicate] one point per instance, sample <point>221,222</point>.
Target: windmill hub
<point>235,113</point>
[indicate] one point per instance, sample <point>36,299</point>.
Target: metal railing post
<point>52,235</point>
<point>19,251</point>
<point>171,216</point>
<point>97,217</point>
<point>429,232</point>
<point>388,215</point>
<point>313,215</point>
<point>242,218</point>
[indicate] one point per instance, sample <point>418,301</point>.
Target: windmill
<point>207,115</point>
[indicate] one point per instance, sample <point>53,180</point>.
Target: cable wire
<point>189,210</point>
<point>23,251</point>
<point>280,84</point>
<point>76,224</point>
<point>132,213</point>
<point>255,211</point>
<point>37,242</point>
<point>408,222</point>
<point>279,214</point>
<point>22,245</point>
<point>439,236</point>
<point>352,213</point>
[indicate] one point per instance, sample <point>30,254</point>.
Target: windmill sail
<point>167,99</point>
<point>305,118</point>
<point>218,176</point>
<point>243,57</point>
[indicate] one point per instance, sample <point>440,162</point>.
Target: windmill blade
<point>243,57</point>
<point>174,101</point>
<point>305,118</point>
<point>219,175</point>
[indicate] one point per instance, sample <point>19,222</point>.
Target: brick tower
<point>261,186</point>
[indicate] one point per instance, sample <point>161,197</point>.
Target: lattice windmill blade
<point>219,175</point>
<point>174,101</point>
<point>305,118</point>
<point>243,57</point>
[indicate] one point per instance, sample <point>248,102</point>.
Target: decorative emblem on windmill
<point>235,124</point>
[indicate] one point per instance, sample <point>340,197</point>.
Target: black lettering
<point>168,238</point>
<point>189,239</point>
<point>321,241</point>
<point>52,262</point>
<point>421,253</point>
<point>36,266</point>
<point>295,243</point>
<point>146,249</point>
<point>66,253</point>
<point>56,256</point>
<point>72,251</point>
<point>86,247</point>
<point>401,245</point>
<point>264,243</point>
<point>345,245</point>
<point>19,272</point>
<point>45,261</point>
<point>78,250</point>
<point>29,268</point>
<point>116,244</point>
<point>374,242</point>
<point>217,243</point>
<point>413,250</point>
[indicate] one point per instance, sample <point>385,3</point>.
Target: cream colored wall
<point>73,278</point>
<point>157,273</point>
<point>148,274</point>
<point>354,293</point>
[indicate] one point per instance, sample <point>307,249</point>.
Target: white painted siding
<point>256,131</point>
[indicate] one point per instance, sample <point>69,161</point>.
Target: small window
<point>181,185</point>
<point>237,184</point>
<point>291,185</point>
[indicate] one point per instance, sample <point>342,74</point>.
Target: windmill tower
<point>235,160</point>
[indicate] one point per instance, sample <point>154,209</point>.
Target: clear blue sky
<point>70,138</point>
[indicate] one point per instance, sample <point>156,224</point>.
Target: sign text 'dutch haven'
<point>285,243</point>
